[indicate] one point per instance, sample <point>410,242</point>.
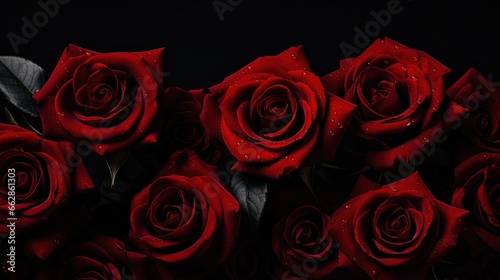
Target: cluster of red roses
<point>274,120</point>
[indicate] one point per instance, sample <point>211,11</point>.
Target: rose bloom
<point>274,115</point>
<point>477,189</point>
<point>185,220</point>
<point>42,175</point>
<point>400,98</point>
<point>97,257</point>
<point>482,99</point>
<point>183,128</point>
<point>396,231</point>
<point>107,101</point>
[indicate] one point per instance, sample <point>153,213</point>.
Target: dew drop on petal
<point>404,68</point>
<point>394,189</point>
<point>304,74</point>
<point>294,56</point>
<point>382,41</point>
<point>344,221</point>
<point>340,125</point>
<point>396,47</point>
<point>246,156</point>
<point>119,245</point>
<point>347,206</point>
<point>259,157</point>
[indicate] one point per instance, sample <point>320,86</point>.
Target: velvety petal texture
<point>185,218</point>
<point>477,189</point>
<point>274,115</point>
<point>396,231</point>
<point>399,93</point>
<point>107,101</point>
<point>482,99</point>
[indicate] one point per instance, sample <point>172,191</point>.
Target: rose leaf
<point>19,79</point>
<point>251,193</point>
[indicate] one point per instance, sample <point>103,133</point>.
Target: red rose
<point>183,128</point>
<point>481,125</point>
<point>399,93</point>
<point>396,231</point>
<point>274,115</point>
<point>302,243</point>
<point>185,220</point>
<point>99,257</point>
<point>108,101</point>
<point>477,189</point>
<point>38,177</point>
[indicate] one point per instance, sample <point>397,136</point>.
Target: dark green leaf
<point>251,193</point>
<point>19,79</point>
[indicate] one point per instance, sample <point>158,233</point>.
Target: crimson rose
<point>399,92</point>
<point>108,101</point>
<point>476,93</point>
<point>274,115</point>
<point>185,220</point>
<point>42,175</point>
<point>396,231</point>
<point>477,189</point>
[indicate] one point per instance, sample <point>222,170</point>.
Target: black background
<point>201,49</point>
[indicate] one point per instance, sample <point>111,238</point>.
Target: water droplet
<point>368,63</point>
<point>404,68</point>
<point>119,245</point>
<point>396,47</point>
<point>410,122</point>
<point>433,108</point>
<point>334,113</point>
<point>386,62</point>
<point>434,69</point>
<point>414,78</point>
<point>304,74</point>
<point>149,53</point>
<point>259,157</point>
<point>433,90</point>
<point>332,133</point>
<point>437,101</point>
<point>434,252</point>
<point>344,221</point>
<point>238,143</point>
<point>292,159</point>
<point>354,259</point>
<point>382,41</point>
<point>366,128</point>
<point>340,125</point>
<point>246,156</point>
<point>426,139</point>
<point>415,58</point>
<point>249,67</point>
<point>440,241</point>
<point>343,68</point>
<point>294,56</point>
<point>347,206</point>
<point>394,189</point>
<point>60,114</point>
<point>100,147</point>
<point>446,70</point>
<point>272,156</point>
